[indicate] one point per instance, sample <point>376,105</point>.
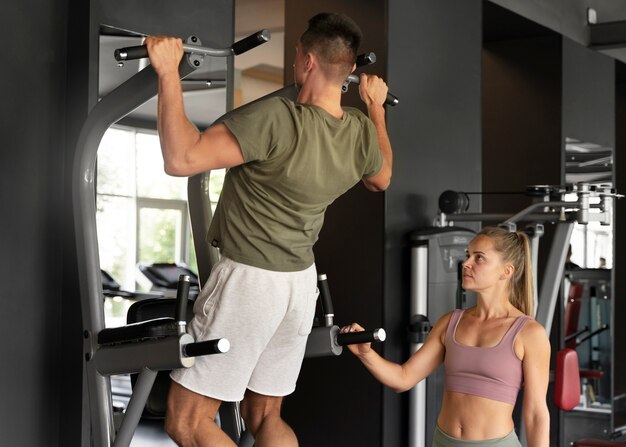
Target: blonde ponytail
<point>515,249</point>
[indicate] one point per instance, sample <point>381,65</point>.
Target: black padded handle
<point>354,338</point>
<point>217,346</point>
<point>365,59</point>
<point>131,53</point>
<point>392,100</point>
<point>327,303</point>
<point>251,41</point>
<point>182,294</point>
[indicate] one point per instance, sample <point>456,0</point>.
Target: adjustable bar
<point>239,47</point>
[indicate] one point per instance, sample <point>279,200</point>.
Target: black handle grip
<point>354,338</point>
<point>182,294</point>
<point>131,53</point>
<point>250,42</point>
<point>327,303</point>
<point>217,346</point>
<point>365,59</point>
<point>392,100</point>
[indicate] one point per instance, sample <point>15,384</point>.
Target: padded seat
<point>144,330</point>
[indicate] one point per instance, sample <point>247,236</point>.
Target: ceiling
<point>205,102</point>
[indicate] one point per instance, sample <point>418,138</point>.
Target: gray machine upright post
<point>435,257</point>
<point>110,109</point>
<point>419,306</point>
<point>553,274</point>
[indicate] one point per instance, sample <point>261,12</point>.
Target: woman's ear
<point>507,272</point>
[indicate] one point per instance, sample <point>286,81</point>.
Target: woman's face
<point>483,267</point>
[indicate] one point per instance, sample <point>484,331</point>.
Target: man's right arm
<point>185,150</point>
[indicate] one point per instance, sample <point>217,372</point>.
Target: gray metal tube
<point>553,274</point>
<point>121,101</point>
<point>133,413</point>
<point>418,306</point>
<point>200,215</point>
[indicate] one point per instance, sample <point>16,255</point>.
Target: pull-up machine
<point>143,348</point>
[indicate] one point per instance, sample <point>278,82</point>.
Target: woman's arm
<point>536,367</point>
<point>419,366</point>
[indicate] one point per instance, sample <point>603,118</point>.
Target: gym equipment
<point>391,100</point>
<point>104,354</point>
<point>164,277</point>
<point>437,251</point>
<point>111,288</point>
<point>193,46</point>
<point>148,347</point>
<point>325,340</point>
<point>567,395</point>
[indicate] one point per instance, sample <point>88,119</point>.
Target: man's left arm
<point>373,91</point>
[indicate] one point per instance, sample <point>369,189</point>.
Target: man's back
<point>298,160</point>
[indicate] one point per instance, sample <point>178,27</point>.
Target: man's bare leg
<point>262,417</point>
<point>190,419</point>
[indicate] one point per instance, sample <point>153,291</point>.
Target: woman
<point>488,351</point>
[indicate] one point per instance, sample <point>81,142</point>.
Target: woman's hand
<point>357,349</point>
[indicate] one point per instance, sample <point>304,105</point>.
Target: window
<point>142,213</point>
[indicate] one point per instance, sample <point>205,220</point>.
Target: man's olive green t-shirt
<point>297,160</point>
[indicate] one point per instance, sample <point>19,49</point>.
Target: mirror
<point>587,297</point>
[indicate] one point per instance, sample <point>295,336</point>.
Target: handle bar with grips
<point>196,349</point>
<point>391,100</point>
<point>239,47</point>
<point>326,340</point>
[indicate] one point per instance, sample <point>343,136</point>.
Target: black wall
<point>436,134</point>
<point>335,395</point>
<point>33,125</point>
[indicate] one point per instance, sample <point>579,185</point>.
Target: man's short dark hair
<point>335,39</point>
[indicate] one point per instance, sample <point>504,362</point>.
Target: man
<point>287,162</point>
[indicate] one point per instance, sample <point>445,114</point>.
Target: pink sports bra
<point>491,372</point>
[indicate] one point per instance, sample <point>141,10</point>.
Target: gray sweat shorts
<point>266,316</point>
